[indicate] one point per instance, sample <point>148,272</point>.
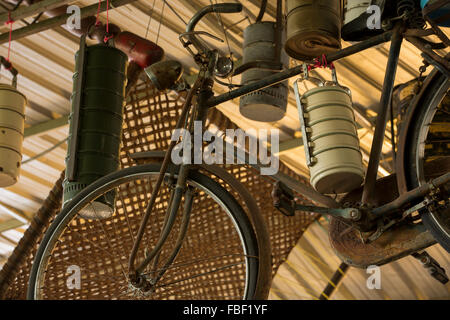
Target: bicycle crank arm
<point>284,201</point>
<point>345,213</point>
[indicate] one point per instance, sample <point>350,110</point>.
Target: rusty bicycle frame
<point>206,99</point>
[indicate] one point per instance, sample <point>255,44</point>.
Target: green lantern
<point>95,123</point>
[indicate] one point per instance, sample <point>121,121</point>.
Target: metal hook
<point>305,76</point>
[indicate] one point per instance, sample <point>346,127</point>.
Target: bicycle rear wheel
<point>218,258</point>
<point>428,153</point>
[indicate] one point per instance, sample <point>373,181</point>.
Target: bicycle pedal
<point>433,267</point>
<point>283,199</point>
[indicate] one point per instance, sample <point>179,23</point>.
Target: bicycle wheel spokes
<point>207,265</point>
<point>428,154</point>
<point>436,154</point>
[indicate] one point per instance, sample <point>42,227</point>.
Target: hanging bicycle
<point>158,260</point>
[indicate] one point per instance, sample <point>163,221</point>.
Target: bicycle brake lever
<point>190,34</point>
<point>192,40</point>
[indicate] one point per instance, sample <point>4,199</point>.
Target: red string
<point>321,62</point>
<point>107,36</point>
<point>97,22</point>
<point>10,22</point>
<point>107,17</point>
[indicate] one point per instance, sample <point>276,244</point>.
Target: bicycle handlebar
<point>218,8</point>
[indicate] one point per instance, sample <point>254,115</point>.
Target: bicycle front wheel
<point>82,258</point>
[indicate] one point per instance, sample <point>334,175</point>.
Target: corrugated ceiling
<point>46,62</point>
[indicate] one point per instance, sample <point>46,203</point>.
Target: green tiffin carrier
<point>95,124</point>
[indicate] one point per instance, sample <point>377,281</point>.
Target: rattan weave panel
<point>150,117</point>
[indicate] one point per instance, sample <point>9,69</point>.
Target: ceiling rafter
<point>35,8</point>
<point>59,20</point>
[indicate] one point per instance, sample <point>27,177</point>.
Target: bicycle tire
<point>421,121</point>
<point>236,214</point>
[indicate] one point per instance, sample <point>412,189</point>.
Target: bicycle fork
<point>181,188</point>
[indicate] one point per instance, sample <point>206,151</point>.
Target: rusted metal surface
<point>395,243</point>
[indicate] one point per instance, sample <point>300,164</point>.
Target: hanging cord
<point>150,19</point>
<point>160,22</point>
<point>107,36</point>
<point>230,54</point>
<point>175,12</point>
<point>97,21</point>
<point>225,33</point>
<point>171,9</point>
<point>5,61</point>
<point>10,22</point>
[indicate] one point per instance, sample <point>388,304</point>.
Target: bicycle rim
<point>218,258</point>
<point>430,153</point>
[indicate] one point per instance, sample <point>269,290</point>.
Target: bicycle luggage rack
<point>433,8</point>
<point>428,47</point>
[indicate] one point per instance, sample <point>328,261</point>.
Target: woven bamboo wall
<point>150,117</point>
